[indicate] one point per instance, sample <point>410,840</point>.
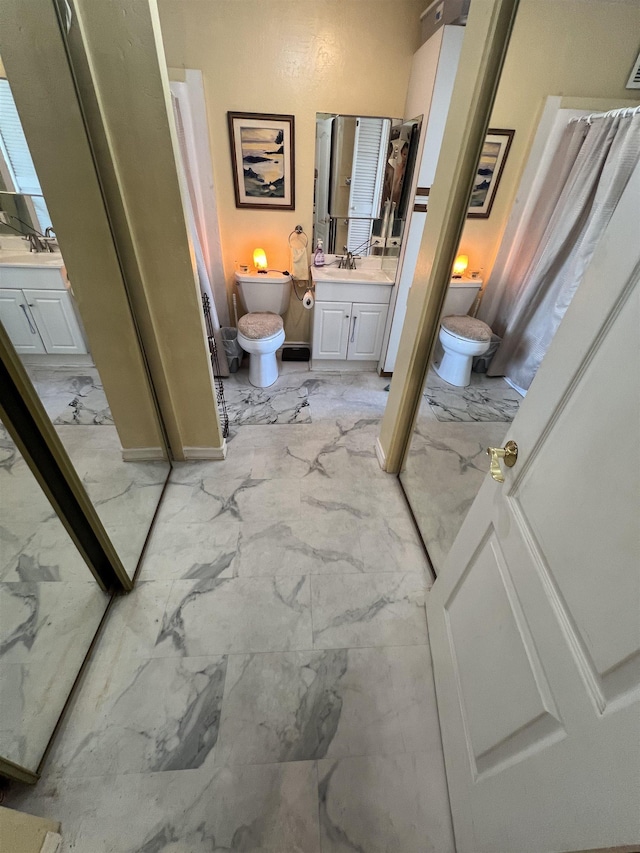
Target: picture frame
<point>263,162</point>
<point>490,166</point>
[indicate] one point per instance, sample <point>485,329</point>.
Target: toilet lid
<point>260,324</point>
<point>466,327</point>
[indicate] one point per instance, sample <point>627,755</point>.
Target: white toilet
<point>261,331</point>
<point>461,337</point>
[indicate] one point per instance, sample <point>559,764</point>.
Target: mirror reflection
<point>363,176</point>
<point>44,320</point>
<point>50,610</point>
<point>50,604</point>
<point>519,263</point>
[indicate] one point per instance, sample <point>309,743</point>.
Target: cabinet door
<point>17,319</point>
<point>331,329</point>
<point>366,331</point>
<point>56,321</point>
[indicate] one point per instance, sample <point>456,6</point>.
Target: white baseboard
<point>334,365</point>
<point>380,454</point>
<point>143,454</point>
<point>206,452</point>
<point>51,843</point>
<point>53,360</point>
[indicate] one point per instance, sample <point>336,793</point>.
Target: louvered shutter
<point>17,156</point>
<point>359,235</point>
<point>634,78</point>
<point>369,153</point>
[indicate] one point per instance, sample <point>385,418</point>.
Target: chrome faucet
<point>35,243</point>
<point>347,261</point>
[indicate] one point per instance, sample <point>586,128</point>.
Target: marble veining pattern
<point>487,398</point>
<point>444,470</point>
<point>368,610</point>
<point>50,604</point>
<point>235,615</point>
<point>296,706</point>
<point>282,403</point>
<point>72,397</point>
<point>267,685</point>
<point>123,732</point>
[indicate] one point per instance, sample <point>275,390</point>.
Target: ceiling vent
<point>634,78</point>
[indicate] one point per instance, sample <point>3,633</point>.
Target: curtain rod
<point>623,112</point>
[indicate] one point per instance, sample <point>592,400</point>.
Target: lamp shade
<point>259,259</point>
<point>460,265</point>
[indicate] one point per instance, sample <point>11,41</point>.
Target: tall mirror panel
<point>551,172</point>
<point>50,609</point>
<point>82,356</point>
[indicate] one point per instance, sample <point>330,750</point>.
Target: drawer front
<point>378,294</point>
<point>39,278</point>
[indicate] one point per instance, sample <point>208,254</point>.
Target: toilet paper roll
<point>308,300</point>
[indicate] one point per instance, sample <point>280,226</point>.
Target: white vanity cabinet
<point>37,310</point>
<point>348,330</point>
<point>349,319</point>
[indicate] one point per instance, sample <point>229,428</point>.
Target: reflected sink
<point>31,259</point>
<point>356,276</point>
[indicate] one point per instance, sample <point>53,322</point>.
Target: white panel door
<point>56,321</point>
<point>331,329</point>
<point>535,619</point>
<point>19,323</point>
<point>367,331</point>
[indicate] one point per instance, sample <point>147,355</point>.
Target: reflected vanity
<point>44,324</point>
<point>363,175</point>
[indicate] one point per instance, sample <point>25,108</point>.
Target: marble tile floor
<point>125,495</point>
<point>486,399</point>
<point>267,686</point>
<point>50,605</point>
<point>302,396</point>
<point>444,470</point>
<point>71,395</point>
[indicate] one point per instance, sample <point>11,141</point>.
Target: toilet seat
<point>466,328</point>
<point>260,325</point>
<point>461,338</point>
<point>261,333</point>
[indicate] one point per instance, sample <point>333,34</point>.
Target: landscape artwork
<point>263,162</point>
<point>262,156</point>
<point>490,166</point>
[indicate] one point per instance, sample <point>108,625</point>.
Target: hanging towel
<point>299,263</point>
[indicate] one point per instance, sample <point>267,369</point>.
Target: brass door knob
<point>510,455</point>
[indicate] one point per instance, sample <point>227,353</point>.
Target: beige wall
<point>573,48</point>
<point>24,833</point>
<point>284,56</point>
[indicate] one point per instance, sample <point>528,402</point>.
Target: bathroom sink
<point>333,274</point>
<point>31,259</point>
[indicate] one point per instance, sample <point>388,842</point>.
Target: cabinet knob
<point>346,316</point>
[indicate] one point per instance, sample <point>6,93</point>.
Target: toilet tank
<point>461,295</point>
<point>264,291</point>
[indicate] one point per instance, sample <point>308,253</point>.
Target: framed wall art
<point>262,156</point>
<point>492,160</point>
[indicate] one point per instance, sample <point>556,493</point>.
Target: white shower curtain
<point>188,199</point>
<point>587,176</point>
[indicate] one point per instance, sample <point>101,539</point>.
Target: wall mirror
<point>363,174</point>
<point>471,396</point>
<point>50,610</point>
<point>45,316</point>
<point>22,214</point>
